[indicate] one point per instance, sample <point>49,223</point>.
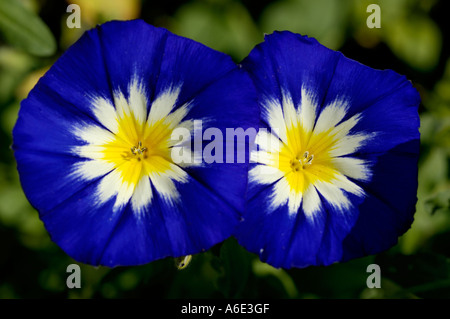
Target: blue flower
<point>334,174</point>
<point>94,145</point>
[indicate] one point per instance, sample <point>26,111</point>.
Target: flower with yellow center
<point>109,145</point>
<point>134,150</point>
<point>303,159</point>
<point>334,173</point>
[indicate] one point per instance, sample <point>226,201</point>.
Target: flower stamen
<point>301,162</point>
<point>139,149</point>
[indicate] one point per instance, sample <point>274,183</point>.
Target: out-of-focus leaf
<point>425,274</point>
<point>24,29</point>
<point>14,66</point>
<point>433,178</point>
<point>265,270</point>
<point>225,26</point>
<point>434,170</point>
<point>100,11</point>
<point>15,211</point>
<point>416,40</point>
<point>438,202</point>
<point>442,88</point>
<point>323,19</point>
<point>237,266</point>
<point>96,12</point>
<point>405,27</point>
<point>14,208</point>
<point>339,280</point>
<point>388,290</point>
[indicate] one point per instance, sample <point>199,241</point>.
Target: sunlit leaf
<point>325,20</point>
<point>24,29</point>
<point>388,290</point>
<point>100,11</point>
<point>439,201</point>
<point>416,40</point>
<point>223,25</point>
<point>264,270</point>
<point>14,66</point>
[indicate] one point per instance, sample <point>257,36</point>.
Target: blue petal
<point>387,101</point>
<point>288,61</point>
<point>80,228</point>
<point>45,178</point>
<point>279,239</point>
<point>229,179</point>
<point>192,64</point>
<point>129,49</point>
<point>388,105</point>
<point>289,241</point>
<point>388,210</point>
<point>187,227</point>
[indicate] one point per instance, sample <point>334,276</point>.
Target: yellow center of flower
<point>305,158</point>
<point>131,150</point>
<point>309,157</point>
<point>139,149</point>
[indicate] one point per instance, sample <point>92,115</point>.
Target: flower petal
<point>163,229</point>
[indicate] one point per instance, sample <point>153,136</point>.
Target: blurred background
<point>413,40</point>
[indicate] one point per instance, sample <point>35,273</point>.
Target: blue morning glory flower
<point>334,174</point>
<point>94,145</point>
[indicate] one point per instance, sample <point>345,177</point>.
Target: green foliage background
<point>412,40</point>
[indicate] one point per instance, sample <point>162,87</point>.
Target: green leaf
<point>440,201</point>
<point>225,26</point>
<point>237,266</point>
<point>416,40</point>
<point>433,170</point>
<point>286,282</point>
<point>15,65</point>
<point>324,20</point>
<point>425,274</point>
<point>24,29</point>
